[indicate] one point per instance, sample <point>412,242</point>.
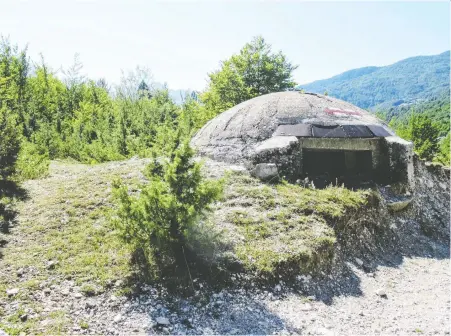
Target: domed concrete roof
<point>234,134</point>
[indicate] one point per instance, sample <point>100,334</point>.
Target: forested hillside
<point>436,108</point>
<point>407,81</point>
<point>426,124</point>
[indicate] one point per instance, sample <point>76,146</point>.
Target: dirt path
<point>82,293</point>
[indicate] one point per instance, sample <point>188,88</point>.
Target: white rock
<point>91,304</point>
<point>324,331</point>
<point>51,264</point>
<point>265,171</point>
<point>381,292</point>
<point>117,318</point>
<point>12,291</point>
<point>359,261</point>
<point>162,321</point>
<point>306,307</point>
<point>78,295</point>
<point>277,288</point>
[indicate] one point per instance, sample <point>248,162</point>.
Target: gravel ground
<point>410,299</point>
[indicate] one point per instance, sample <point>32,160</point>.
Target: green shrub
<point>169,205</point>
<point>444,154</point>
<point>9,143</point>
<point>32,163</point>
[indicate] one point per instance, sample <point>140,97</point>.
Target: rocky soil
<point>404,290</point>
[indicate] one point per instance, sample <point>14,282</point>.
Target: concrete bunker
<point>302,136</point>
<point>349,154</point>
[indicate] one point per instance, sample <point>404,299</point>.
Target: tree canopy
<point>254,71</point>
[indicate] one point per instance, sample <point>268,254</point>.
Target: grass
<point>285,228</point>
<point>84,325</point>
<point>66,220</point>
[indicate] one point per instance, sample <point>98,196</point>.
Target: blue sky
<point>181,41</point>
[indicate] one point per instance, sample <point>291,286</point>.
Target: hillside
<point>64,270</point>
<point>436,108</point>
<point>410,80</point>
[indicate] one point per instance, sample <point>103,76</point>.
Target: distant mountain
<point>177,96</point>
<point>411,80</point>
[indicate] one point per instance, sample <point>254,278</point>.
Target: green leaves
<point>253,72</point>
<point>170,204</point>
<point>422,131</point>
<point>9,143</point>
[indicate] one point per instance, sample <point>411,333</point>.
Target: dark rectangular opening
<point>337,166</point>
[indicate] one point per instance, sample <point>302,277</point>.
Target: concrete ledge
<point>397,139</point>
<point>276,143</point>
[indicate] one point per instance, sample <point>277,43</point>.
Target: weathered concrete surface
<point>234,134</point>
<point>401,162</point>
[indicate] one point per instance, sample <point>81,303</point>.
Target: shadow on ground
<point>9,192</point>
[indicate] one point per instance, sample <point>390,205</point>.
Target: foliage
<point>79,118</point>
<point>13,69</point>
<point>33,162</point>
<point>427,124</point>
<point>9,144</point>
<point>423,132</point>
<point>169,205</point>
<point>409,80</point>
<point>253,72</point>
<point>443,156</point>
<point>436,108</point>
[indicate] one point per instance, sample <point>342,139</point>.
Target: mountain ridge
<point>409,80</point>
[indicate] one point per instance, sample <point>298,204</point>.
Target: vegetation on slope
<point>285,228</point>
<point>437,109</point>
<point>169,206</point>
<point>62,235</point>
<point>426,124</point>
<point>421,77</point>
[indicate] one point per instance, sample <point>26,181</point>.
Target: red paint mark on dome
<point>333,111</point>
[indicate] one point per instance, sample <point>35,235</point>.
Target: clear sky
<point>181,41</point>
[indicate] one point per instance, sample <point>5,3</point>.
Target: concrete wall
<point>400,161</point>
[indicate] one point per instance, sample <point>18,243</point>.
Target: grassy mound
<point>284,228</point>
